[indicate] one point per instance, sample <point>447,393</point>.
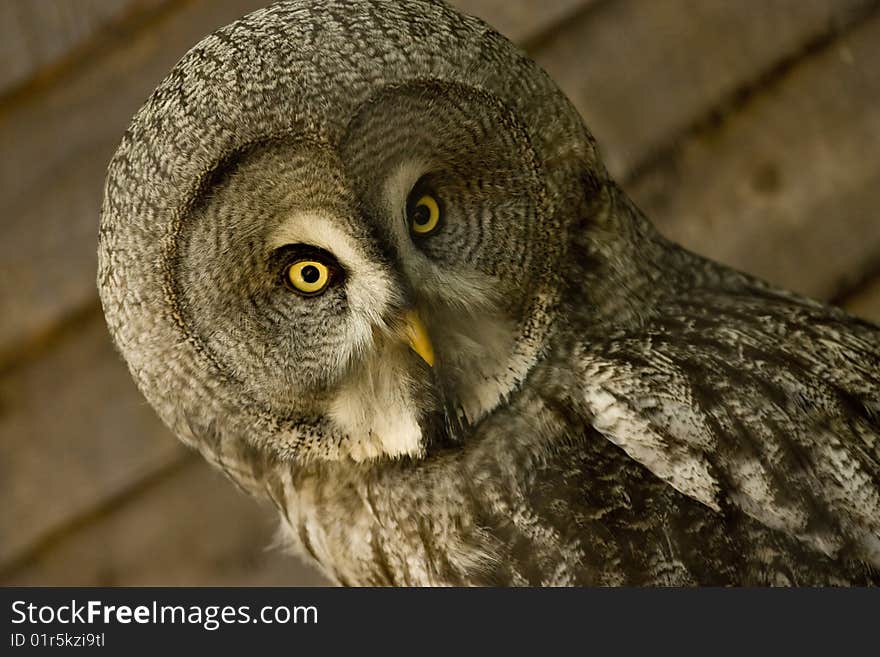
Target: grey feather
<point>605,408</point>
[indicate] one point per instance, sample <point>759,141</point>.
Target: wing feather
<point>758,400</point>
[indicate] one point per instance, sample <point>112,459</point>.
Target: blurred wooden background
<point>748,130</point>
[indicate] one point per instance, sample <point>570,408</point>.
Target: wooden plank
<point>642,72</point>
<point>74,431</point>
<point>48,250</point>
<point>522,20</point>
<point>37,35</point>
<point>193,530</point>
<point>789,187</point>
<point>55,148</point>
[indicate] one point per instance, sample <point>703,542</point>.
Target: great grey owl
<point>365,258</point>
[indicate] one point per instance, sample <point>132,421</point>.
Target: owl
<point>365,258</point>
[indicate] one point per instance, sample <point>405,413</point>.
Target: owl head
<point>336,230</point>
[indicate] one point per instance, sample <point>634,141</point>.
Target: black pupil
<point>310,274</point>
<point>421,215</point>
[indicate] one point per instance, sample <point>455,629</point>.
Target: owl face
<point>337,229</point>
<point>392,283</point>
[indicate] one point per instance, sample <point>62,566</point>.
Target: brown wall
<point>749,131</point>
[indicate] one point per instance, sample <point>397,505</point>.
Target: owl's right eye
<point>424,215</point>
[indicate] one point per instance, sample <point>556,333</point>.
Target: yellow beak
<point>417,335</point>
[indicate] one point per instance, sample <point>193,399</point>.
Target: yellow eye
<point>425,215</point>
<point>308,276</point>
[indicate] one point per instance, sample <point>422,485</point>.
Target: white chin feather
<point>376,410</point>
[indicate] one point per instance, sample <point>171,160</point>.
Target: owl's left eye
<point>424,215</point>
<point>308,277</point>
<point>305,269</point>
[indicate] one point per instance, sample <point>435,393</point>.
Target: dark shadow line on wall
<point>58,534</point>
<point>746,93</point>
<point>37,344</point>
<point>583,12</point>
<point>101,44</point>
<point>866,281</point>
